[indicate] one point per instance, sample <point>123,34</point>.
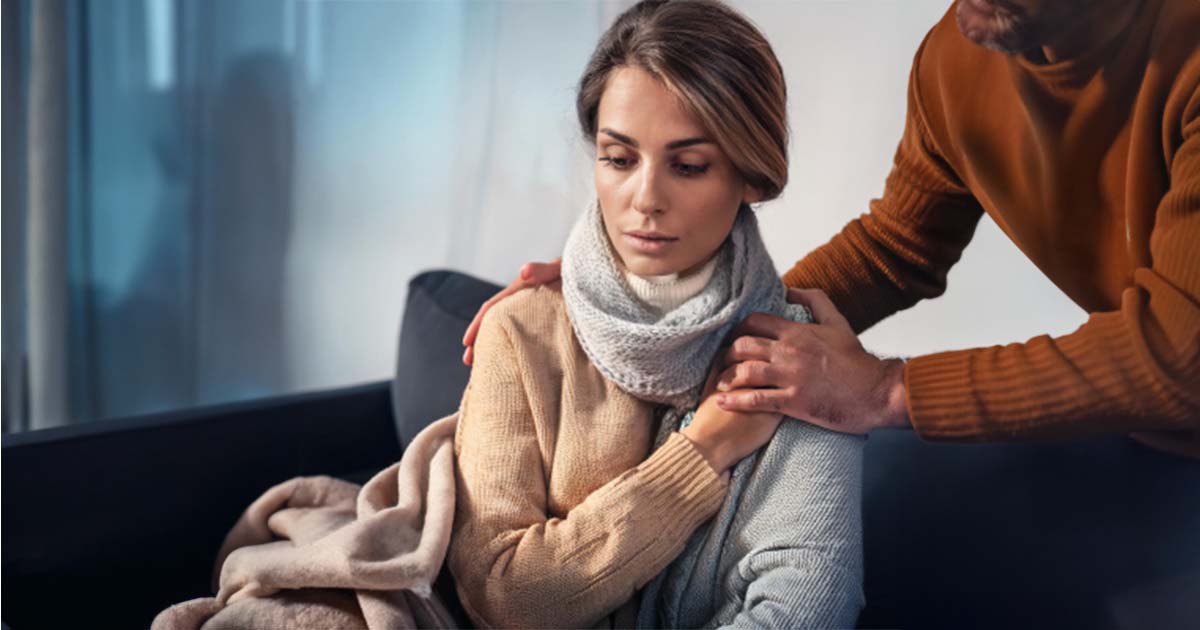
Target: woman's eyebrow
<point>687,142</point>
<point>675,144</point>
<point>620,137</point>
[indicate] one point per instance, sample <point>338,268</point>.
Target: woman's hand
<point>816,372</point>
<point>531,275</point>
<point>725,437</point>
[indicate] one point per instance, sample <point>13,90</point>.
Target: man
<point>1075,124</point>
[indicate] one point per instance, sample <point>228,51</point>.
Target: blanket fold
<point>319,552</point>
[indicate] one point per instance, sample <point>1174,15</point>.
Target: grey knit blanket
<point>785,548</point>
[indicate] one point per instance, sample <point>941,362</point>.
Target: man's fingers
<point>821,306</point>
<point>541,273</point>
<point>468,339</point>
<point>761,325</point>
<point>749,348</point>
<point>746,374</point>
<point>753,400</point>
<point>473,328</point>
<point>746,349</point>
<point>531,275</point>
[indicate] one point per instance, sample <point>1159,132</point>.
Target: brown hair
<point>718,64</point>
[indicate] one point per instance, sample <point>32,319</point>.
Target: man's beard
<point>1005,30</point>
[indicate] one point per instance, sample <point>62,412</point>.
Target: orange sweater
<point>1092,167</point>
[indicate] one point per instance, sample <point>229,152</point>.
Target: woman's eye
<point>616,162</point>
<point>691,170</point>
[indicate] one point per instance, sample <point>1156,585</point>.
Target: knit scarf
<point>665,357</point>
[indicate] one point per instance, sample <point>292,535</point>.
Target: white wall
<point>847,66</point>
<point>483,170</point>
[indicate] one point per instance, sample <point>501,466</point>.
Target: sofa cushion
<point>430,375</point>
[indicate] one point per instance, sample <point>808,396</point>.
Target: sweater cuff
<point>1044,388</point>
<point>940,404</point>
<point>682,484</point>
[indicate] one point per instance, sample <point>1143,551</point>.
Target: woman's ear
<point>750,194</point>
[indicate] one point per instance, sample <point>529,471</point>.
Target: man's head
<point>1020,26</point>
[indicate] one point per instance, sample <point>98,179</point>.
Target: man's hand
<point>816,372</point>
<point>531,275</point>
<point>725,437</point>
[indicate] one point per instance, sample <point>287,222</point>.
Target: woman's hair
<point>718,64</point>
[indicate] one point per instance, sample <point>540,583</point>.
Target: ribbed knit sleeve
<point>518,566</point>
<point>1134,369</point>
<point>900,252</point>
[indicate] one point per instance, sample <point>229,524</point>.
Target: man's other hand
<point>816,372</point>
<point>531,275</point>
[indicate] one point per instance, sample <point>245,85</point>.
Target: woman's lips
<point>649,244</point>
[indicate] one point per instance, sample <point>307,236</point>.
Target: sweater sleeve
<point>802,518</point>
<point>516,565</point>
<point>1134,369</point>
<point>901,251</point>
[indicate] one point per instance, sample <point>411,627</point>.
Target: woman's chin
<point>645,266</point>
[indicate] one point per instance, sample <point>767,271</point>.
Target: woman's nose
<point>649,197</point>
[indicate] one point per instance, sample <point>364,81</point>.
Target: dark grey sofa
<point>106,523</point>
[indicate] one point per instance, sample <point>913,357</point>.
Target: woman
<point>591,461</point>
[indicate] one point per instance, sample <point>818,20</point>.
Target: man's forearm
<point>1094,381</point>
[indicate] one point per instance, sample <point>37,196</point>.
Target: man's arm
<point>900,252</point>
<point>1134,369</point>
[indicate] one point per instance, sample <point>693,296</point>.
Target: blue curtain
<point>247,186</point>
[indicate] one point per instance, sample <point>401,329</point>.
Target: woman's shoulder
<point>800,452</point>
<point>533,313</point>
<point>797,439</point>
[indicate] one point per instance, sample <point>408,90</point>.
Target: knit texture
<point>667,293</point>
<point>665,357</point>
<point>1092,167</point>
<point>784,550</point>
<point>564,507</point>
<point>560,520</point>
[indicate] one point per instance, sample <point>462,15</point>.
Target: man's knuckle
<point>762,370</point>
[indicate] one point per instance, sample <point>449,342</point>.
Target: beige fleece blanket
<point>318,552</point>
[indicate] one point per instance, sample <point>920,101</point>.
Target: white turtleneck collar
<point>668,292</point>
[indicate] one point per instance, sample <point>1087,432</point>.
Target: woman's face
<point>668,194</point>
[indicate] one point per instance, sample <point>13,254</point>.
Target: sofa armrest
<point>118,519</point>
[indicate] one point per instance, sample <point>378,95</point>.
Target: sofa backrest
<point>430,375</point>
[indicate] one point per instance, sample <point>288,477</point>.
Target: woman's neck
<point>666,293</point>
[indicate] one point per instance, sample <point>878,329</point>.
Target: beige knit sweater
<point>563,513</point>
